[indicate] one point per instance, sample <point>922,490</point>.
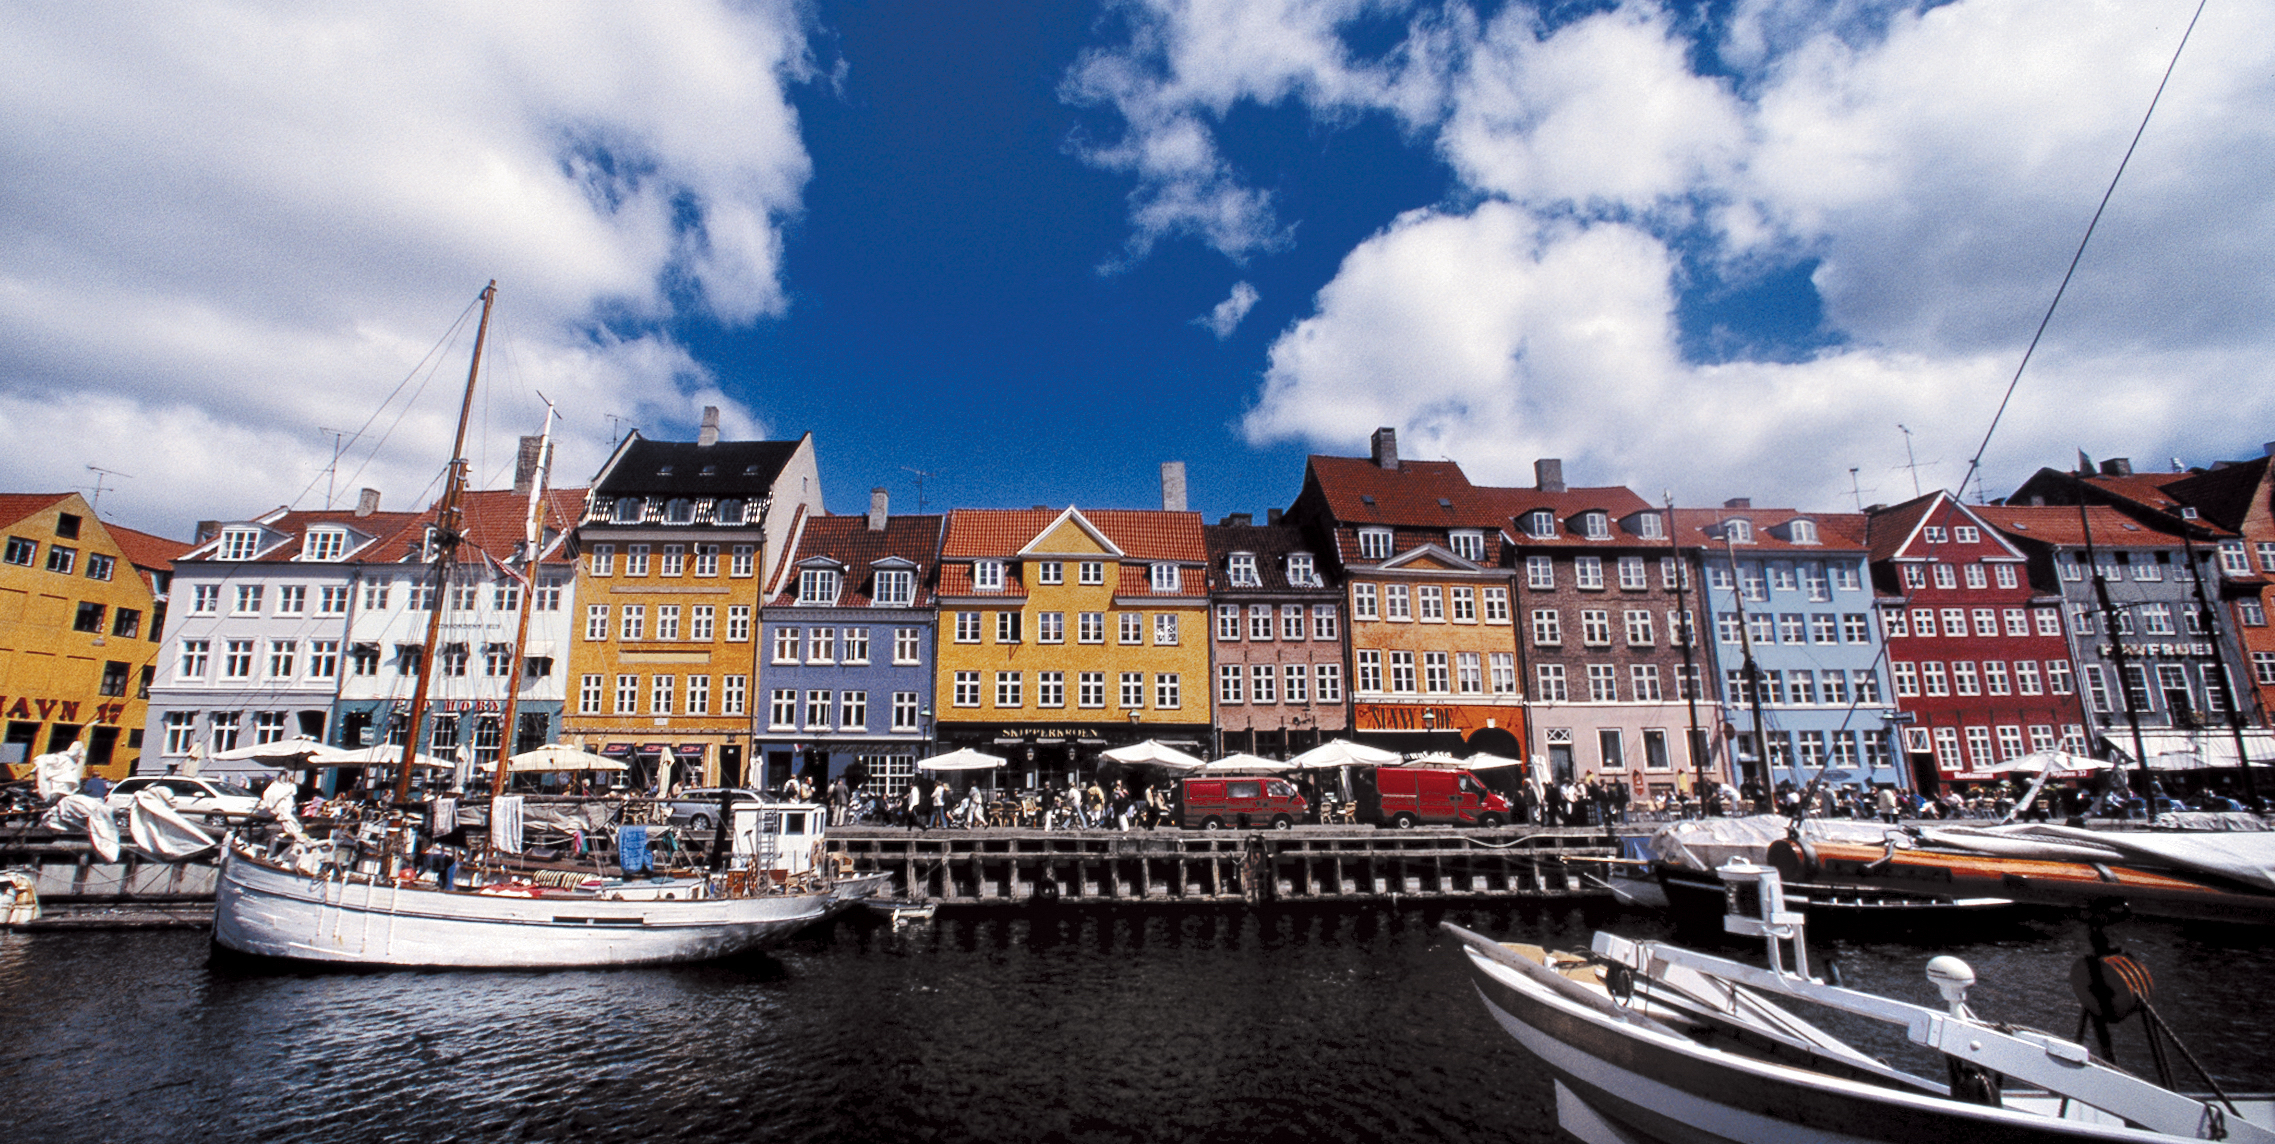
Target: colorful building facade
<point>1276,637</point>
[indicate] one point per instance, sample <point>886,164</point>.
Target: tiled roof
<point>1616,501</point>
<point>1421,494</point>
<point>1404,540</point>
<point>2223,496</point>
<point>144,551</point>
<point>1887,529</point>
<point>295,525</point>
<point>496,520</point>
<point>956,580</point>
<point>1137,580</point>
<point>2059,525</point>
<point>1270,543</point>
<point>727,469</point>
<point>1141,534</point>
<point>2141,488</point>
<point>1836,531</point>
<point>17,506</point>
<point>848,540</point>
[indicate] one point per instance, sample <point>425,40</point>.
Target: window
<point>2150,570</point>
<point>1496,605</point>
<point>1240,568</point>
<point>821,645</point>
<point>1907,679</point>
<point>1963,680</point>
<point>675,560</point>
<point>661,690</point>
<point>1402,678</point>
<point>1397,602</point>
<point>2263,668</point>
<point>1552,685</point>
<point>1165,629</point>
<point>1540,572</point>
<point>905,710</point>
<point>1994,677</point>
<point>1369,672</point>
<point>1434,677</point>
<point>1229,685</point>
<point>603,560</point>
<point>237,660</point>
<point>1260,622</point>
<point>2082,619</point>
<point>1430,604</point>
<point>1836,687</point>
<point>1975,577</point>
<point>1547,627</point>
<point>987,575</point>
<point>1166,691</point>
<point>1954,621</point>
<point>1603,683</point>
<point>1638,627</point>
<point>454,660</point>
<point>1632,574</point>
<point>99,566</point>
<point>248,600</point>
<point>1464,605</point>
<point>738,622</point>
<point>1301,571</point>
<point>2251,613</point>
<point>462,597</point>
<point>1945,577</point>
<point>1933,680</point>
<point>1813,579</point>
<point>2026,677</point>
<point>236,544</point>
<point>701,620</point>
<point>1132,627</point>
<point>787,642</point>
<point>1007,627</point>
<point>817,710</point>
<point>1469,544</point>
<point>1588,572</point>
<point>126,622</point>
<point>193,661</point>
<point>1595,627</point>
<point>1164,577</point>
<point>632,622</point>
<point>1291,621</point>
<point>1469,674</point>
<point>1009,686</point>
<point>1790,627</point>
<point>422,597</point>
<point>707,561</point>
<point>89,618</point>
<point>967,689</point>
<point>1090,627</point>
<point>699,695</point>
<point>739,559</point>
<point>1090,689</point>
<point>906,642</point>
<point>852,710</point>
<point>1893,621</point>
<point>1050,627</point>
<point>667,621</point>
<point>1090,572</point>
<point>782,706</point>
<point>1374,544</point>
<point>1867,687</point>
<point>967,627</point>
<point>818,586</point>
<point>627,695</point>
<point>894,589</point>
<point>588,695</point>
<point>26,552</point>
<point>225,730</point>
<point>2058,680</point>
<point>1133,690</point>
<point>2156,619</point>
<point>1328,678</point>
<point>635,560</point>
<point>1363,602</point>
<point>1323,622</point>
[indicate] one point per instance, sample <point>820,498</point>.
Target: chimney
<point>2038,502</point>
<point>2117,467</point>
<point>1875,509</point>
<point>206,530</point>
<point>525,465</point>
<point>1237,520</point>
<point>367,502</point>
<point>878,500</point>
<point>1738,502</point>
<point>1385,442</point>
<point>1173,486</point>
<point>1272,516</point>
<point>1548,474</point>
<point>708,435</point>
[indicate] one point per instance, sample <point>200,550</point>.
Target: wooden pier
<point>1307,864</point>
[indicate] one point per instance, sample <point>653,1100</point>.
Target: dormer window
<point>1540,524</point>
<point>1595,526</point>
<point>710,470</point>
<point>1164,577</point>
<point>240,543</point>
<point>628,510</point>
<point>1301,573</point>
<point>680,511</point>
<point>1802,532</point>
<point>894,589</point>
<point>325,544</point>
<point>1650,526</point>
<point>987,575</point>
<point>727,512</point>
<point>817,587</point>
<point>1241,569</point>
<point>1468,543</point>
<point>1374,544</point>
<point>1738,531</point>
<point>664,472</point>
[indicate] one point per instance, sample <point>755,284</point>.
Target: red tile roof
<point>17,506</point>
<point>848,540</point>
<point>144,551</point>
<point>1141,534</point>
<point>295,525</point>
<point>2224,495</point>
<point>1421,494</point>
<point>496,520</point>
<point>956,580</point>
<point>2059,525</point>
<point>1836,531</point>
<point>1616,501</point>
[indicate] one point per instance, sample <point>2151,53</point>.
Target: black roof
<point>684,468</point>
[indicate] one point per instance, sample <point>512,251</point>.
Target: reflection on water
<point>1070,1024</point>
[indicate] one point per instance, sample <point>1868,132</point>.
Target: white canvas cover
<point>1702,844</point>
<point>82,812</point>
<point>59,774</point>
<point>158,829</point>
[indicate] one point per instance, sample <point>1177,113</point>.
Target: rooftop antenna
<point>1855,489</point>
<point>920,475</point>
<point>615,420</point>
<point>100,473</point>
<point>1911,459</point>
<point>331,471</point>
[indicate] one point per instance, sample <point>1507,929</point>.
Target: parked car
<point>1215,803</point>
<point>1404,797</point>
<point>191,796</point>
<point>697,808</point>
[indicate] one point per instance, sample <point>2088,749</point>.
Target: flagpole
<point>533,545</point>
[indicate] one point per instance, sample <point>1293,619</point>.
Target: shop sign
<point>452,706</point>
<point>1444,717</point>
<point>32,708</point>
<point>2166,650</point>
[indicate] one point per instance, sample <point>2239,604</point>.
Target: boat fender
<point>1619,981</point>
<point>1974,1084</point>
<point>1794,860</point>
<point>1046,890</point>
<point>2112,986</point>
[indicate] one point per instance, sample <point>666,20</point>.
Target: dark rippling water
<point>1075,1024</point>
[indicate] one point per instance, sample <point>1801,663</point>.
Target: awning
<point>538,649</point>
<point>617,750</point>
<point>2192,750</point>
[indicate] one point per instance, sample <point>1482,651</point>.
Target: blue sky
<point>1721,250</point>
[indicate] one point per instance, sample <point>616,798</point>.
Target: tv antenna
<point>1855,489</point>
<point>100,473</point>
<point>920,476</point>
<point>331,471</point>
<point>615,420</point>
<point>1912,462</point>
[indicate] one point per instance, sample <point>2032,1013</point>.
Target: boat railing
<point>2059,1066</point>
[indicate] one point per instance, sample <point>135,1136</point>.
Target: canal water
<point>1068,1024</point>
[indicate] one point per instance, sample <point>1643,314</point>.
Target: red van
<point>1403,797</point>
<point>1239,802</point>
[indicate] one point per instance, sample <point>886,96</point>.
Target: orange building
<point>82,605</point>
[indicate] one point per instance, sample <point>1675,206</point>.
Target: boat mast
<point>2211,625</point>
<point>533,545</point>
<point>2117,652</point>
<point>1700,751</point>
<point>446,537</point>
<point>1760,772</point>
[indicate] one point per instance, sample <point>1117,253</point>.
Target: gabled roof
<point>294,526</point>
<point>846,541</point>
<point>2060,525</point>
<point>144,551</point>
<point>1271,544</point>
<point>16,506</point>
<point>1895,533</point>
<point>1138,534</point>
<point>726,469</point>
<point>1617,502</point>
<point>1419,494</point>
<point>1836,531</point>
<point>2224,495</point>
<point>496,521</point>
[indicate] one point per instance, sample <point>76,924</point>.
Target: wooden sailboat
<point>356,898</point>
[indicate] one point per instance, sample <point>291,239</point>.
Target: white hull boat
<point>1651,1042</point>
<point>268,910</point>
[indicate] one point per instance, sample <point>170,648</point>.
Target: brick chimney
<point>1738,502</point>
<point>1173,486</point>
<point>708,435</point>
<point>1385,443</point>
<point>2117,467</point>
<point>206,530</point>
<point>526,463</point>
<point>367,502</point>
<point>1548,474</point>
<point>879,499</point>
<point>1272,516</point>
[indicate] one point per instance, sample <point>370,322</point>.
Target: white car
<point>191,796</point>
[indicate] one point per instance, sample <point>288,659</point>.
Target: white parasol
<point>1155,754</point>
<point>1342,753</point>
<point>1239,764</point>
<point>381,755</point>
<point>283,752</point>
<point>2060,761</point>
<point>556,757</point>
<point>963,759</point>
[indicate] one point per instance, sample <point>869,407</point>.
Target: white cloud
<point>1939,165</point>
<point>1226,316</point>
<point>223,226</point>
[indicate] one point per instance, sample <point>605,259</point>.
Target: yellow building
<point>676,540</point>
<point>81,608</point>
<point>1063,634</point>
